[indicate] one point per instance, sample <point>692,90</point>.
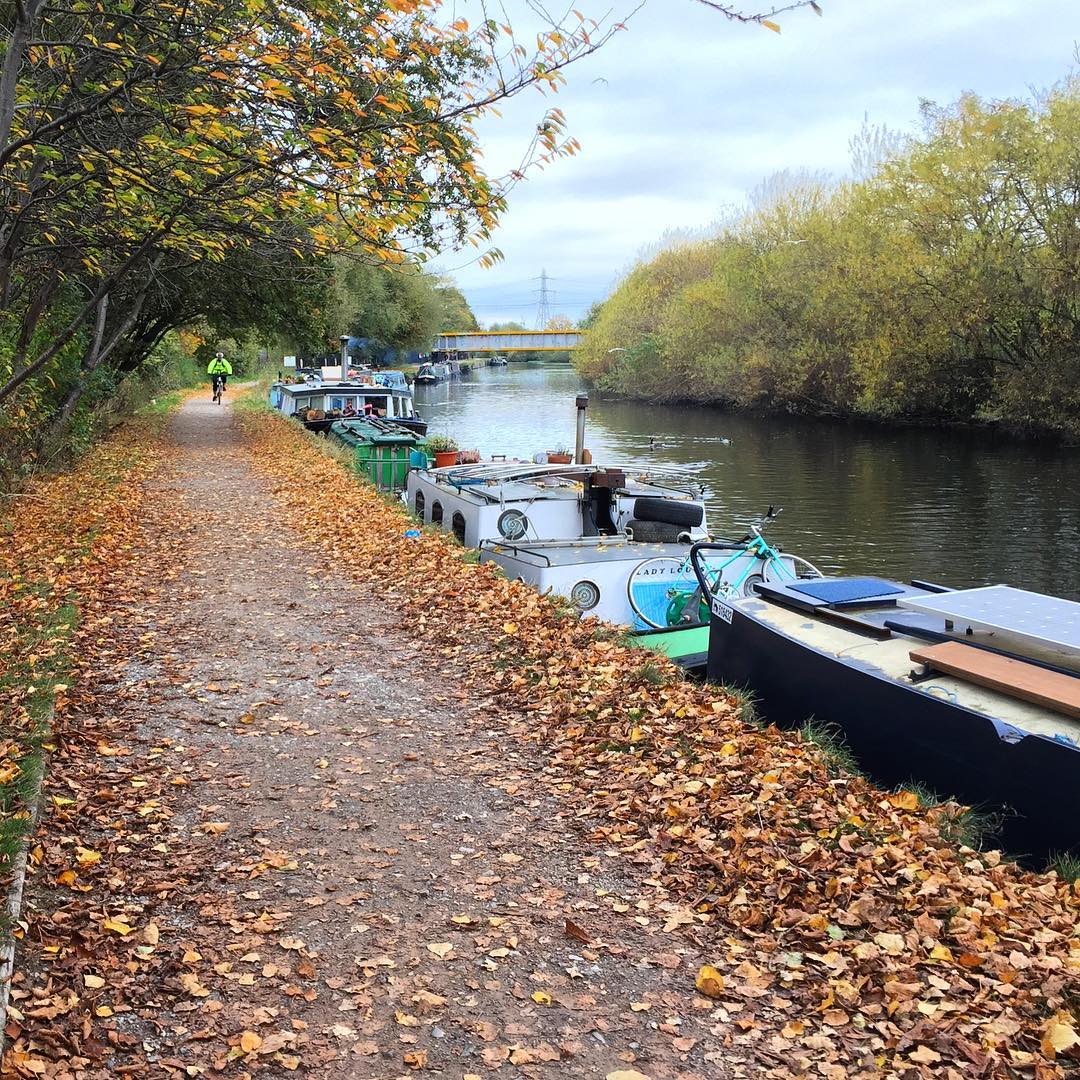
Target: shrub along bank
<point>942,286</point>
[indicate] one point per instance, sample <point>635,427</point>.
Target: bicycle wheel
<point>651,585</point>
<point>803,569</point>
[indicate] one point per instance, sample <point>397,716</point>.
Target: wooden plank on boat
<point>1013,677</point>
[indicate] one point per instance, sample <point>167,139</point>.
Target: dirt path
<point>330,860</point>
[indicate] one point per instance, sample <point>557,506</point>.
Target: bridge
<point>508,341</point>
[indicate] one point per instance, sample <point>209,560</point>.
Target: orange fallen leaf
<point>572,930</point>
<point>709,981</point>
<point>250,1041</point>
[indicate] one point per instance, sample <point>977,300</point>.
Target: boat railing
<point>672,477</point>
<point>537,548</point>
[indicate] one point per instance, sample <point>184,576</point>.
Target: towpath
<point>294,844</point>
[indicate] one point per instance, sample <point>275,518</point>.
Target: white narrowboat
<point>319,404</point>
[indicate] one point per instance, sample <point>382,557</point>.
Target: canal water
<point>957,507</point>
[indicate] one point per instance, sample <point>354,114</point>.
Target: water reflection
<point>955,507</point>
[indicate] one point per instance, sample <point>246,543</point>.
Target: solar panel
<point>1041,620</point>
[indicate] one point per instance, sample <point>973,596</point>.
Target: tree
<point>133,137</point>
<point>940,285</point>
<point>456,313</point>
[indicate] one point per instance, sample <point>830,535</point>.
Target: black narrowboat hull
<point>899,734</point>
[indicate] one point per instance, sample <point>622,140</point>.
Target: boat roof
<point>1027,622</point>
<point>879,638</point>
<point>336,386</point>
<point>374,430</point>
<point>521,480</point>
<point>583,551</point>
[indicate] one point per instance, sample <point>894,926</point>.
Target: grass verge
<point>60,544</point>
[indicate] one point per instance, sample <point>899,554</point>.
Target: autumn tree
<point>139,143</point>
<point>939,284</point>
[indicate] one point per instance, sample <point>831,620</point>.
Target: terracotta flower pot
<point>559,459</point>
<point>443,458</point>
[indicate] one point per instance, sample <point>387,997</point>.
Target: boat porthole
<point>419,505</point>
<point>513,525</point>
<point>457,525</point>
<point>585,596</point>
<point>436,513</point>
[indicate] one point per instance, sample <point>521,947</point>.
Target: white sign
<point>289,361</point>
<point>721,610</point>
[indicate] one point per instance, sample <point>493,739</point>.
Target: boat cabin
<point>973,692</point>
<point>520,502</point>
<point>394,379</point>
<point>318,404</point>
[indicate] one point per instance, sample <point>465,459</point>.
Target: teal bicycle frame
<point>763,555</point>
<point>763,551</point>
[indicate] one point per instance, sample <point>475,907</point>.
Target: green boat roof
<point>356,432</point>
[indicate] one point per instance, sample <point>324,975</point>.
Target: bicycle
<point>219,389</point>
<point>761,564</point>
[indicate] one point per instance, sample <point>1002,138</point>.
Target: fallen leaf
<point>709,981</point>
<point>250,1041</point>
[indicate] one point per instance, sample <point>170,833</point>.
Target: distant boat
<point>319,404</point>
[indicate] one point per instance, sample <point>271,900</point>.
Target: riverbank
<point>337,799</point>
<point>1000,431</point>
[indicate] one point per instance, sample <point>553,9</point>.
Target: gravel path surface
<point>331,860</point>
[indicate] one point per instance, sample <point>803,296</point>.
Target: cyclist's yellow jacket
<point>219,367</point>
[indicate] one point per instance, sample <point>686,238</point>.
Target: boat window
<point>585,595</point>
<point>418,505</point>
<point>458,525</point>
<point>337,403</point>
<point>436,513</point>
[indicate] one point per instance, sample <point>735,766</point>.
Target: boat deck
<point>889,656</point>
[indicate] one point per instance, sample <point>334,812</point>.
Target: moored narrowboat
<point>318,405</point>
<point>972,693</point>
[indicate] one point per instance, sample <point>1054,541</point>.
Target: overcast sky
<point>684,112</point>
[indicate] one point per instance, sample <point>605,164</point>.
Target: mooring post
<point>579,445</point>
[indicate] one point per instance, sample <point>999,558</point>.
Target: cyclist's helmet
<point>220,355</point>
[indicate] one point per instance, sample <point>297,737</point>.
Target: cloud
<point>685,112</point>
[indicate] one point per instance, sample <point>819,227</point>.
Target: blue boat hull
<point>899,734</point>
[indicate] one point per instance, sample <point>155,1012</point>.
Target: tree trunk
<point>26,15</point>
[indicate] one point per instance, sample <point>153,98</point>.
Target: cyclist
<point>219,367</point>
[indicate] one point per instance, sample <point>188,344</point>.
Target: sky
<point>684,112</point>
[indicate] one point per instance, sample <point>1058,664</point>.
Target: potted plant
<point>445,450</point>
<point>561,456</point>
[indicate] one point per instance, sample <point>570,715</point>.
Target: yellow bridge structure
<point>508,341</point>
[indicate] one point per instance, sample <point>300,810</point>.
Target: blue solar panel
<point>847,590</point>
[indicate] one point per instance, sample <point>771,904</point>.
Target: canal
<point>959,507</point>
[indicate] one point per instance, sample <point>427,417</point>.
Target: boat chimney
<point>579,445</point>
<point>344,357</point>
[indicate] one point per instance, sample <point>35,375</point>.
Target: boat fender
<point>671,511</point>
